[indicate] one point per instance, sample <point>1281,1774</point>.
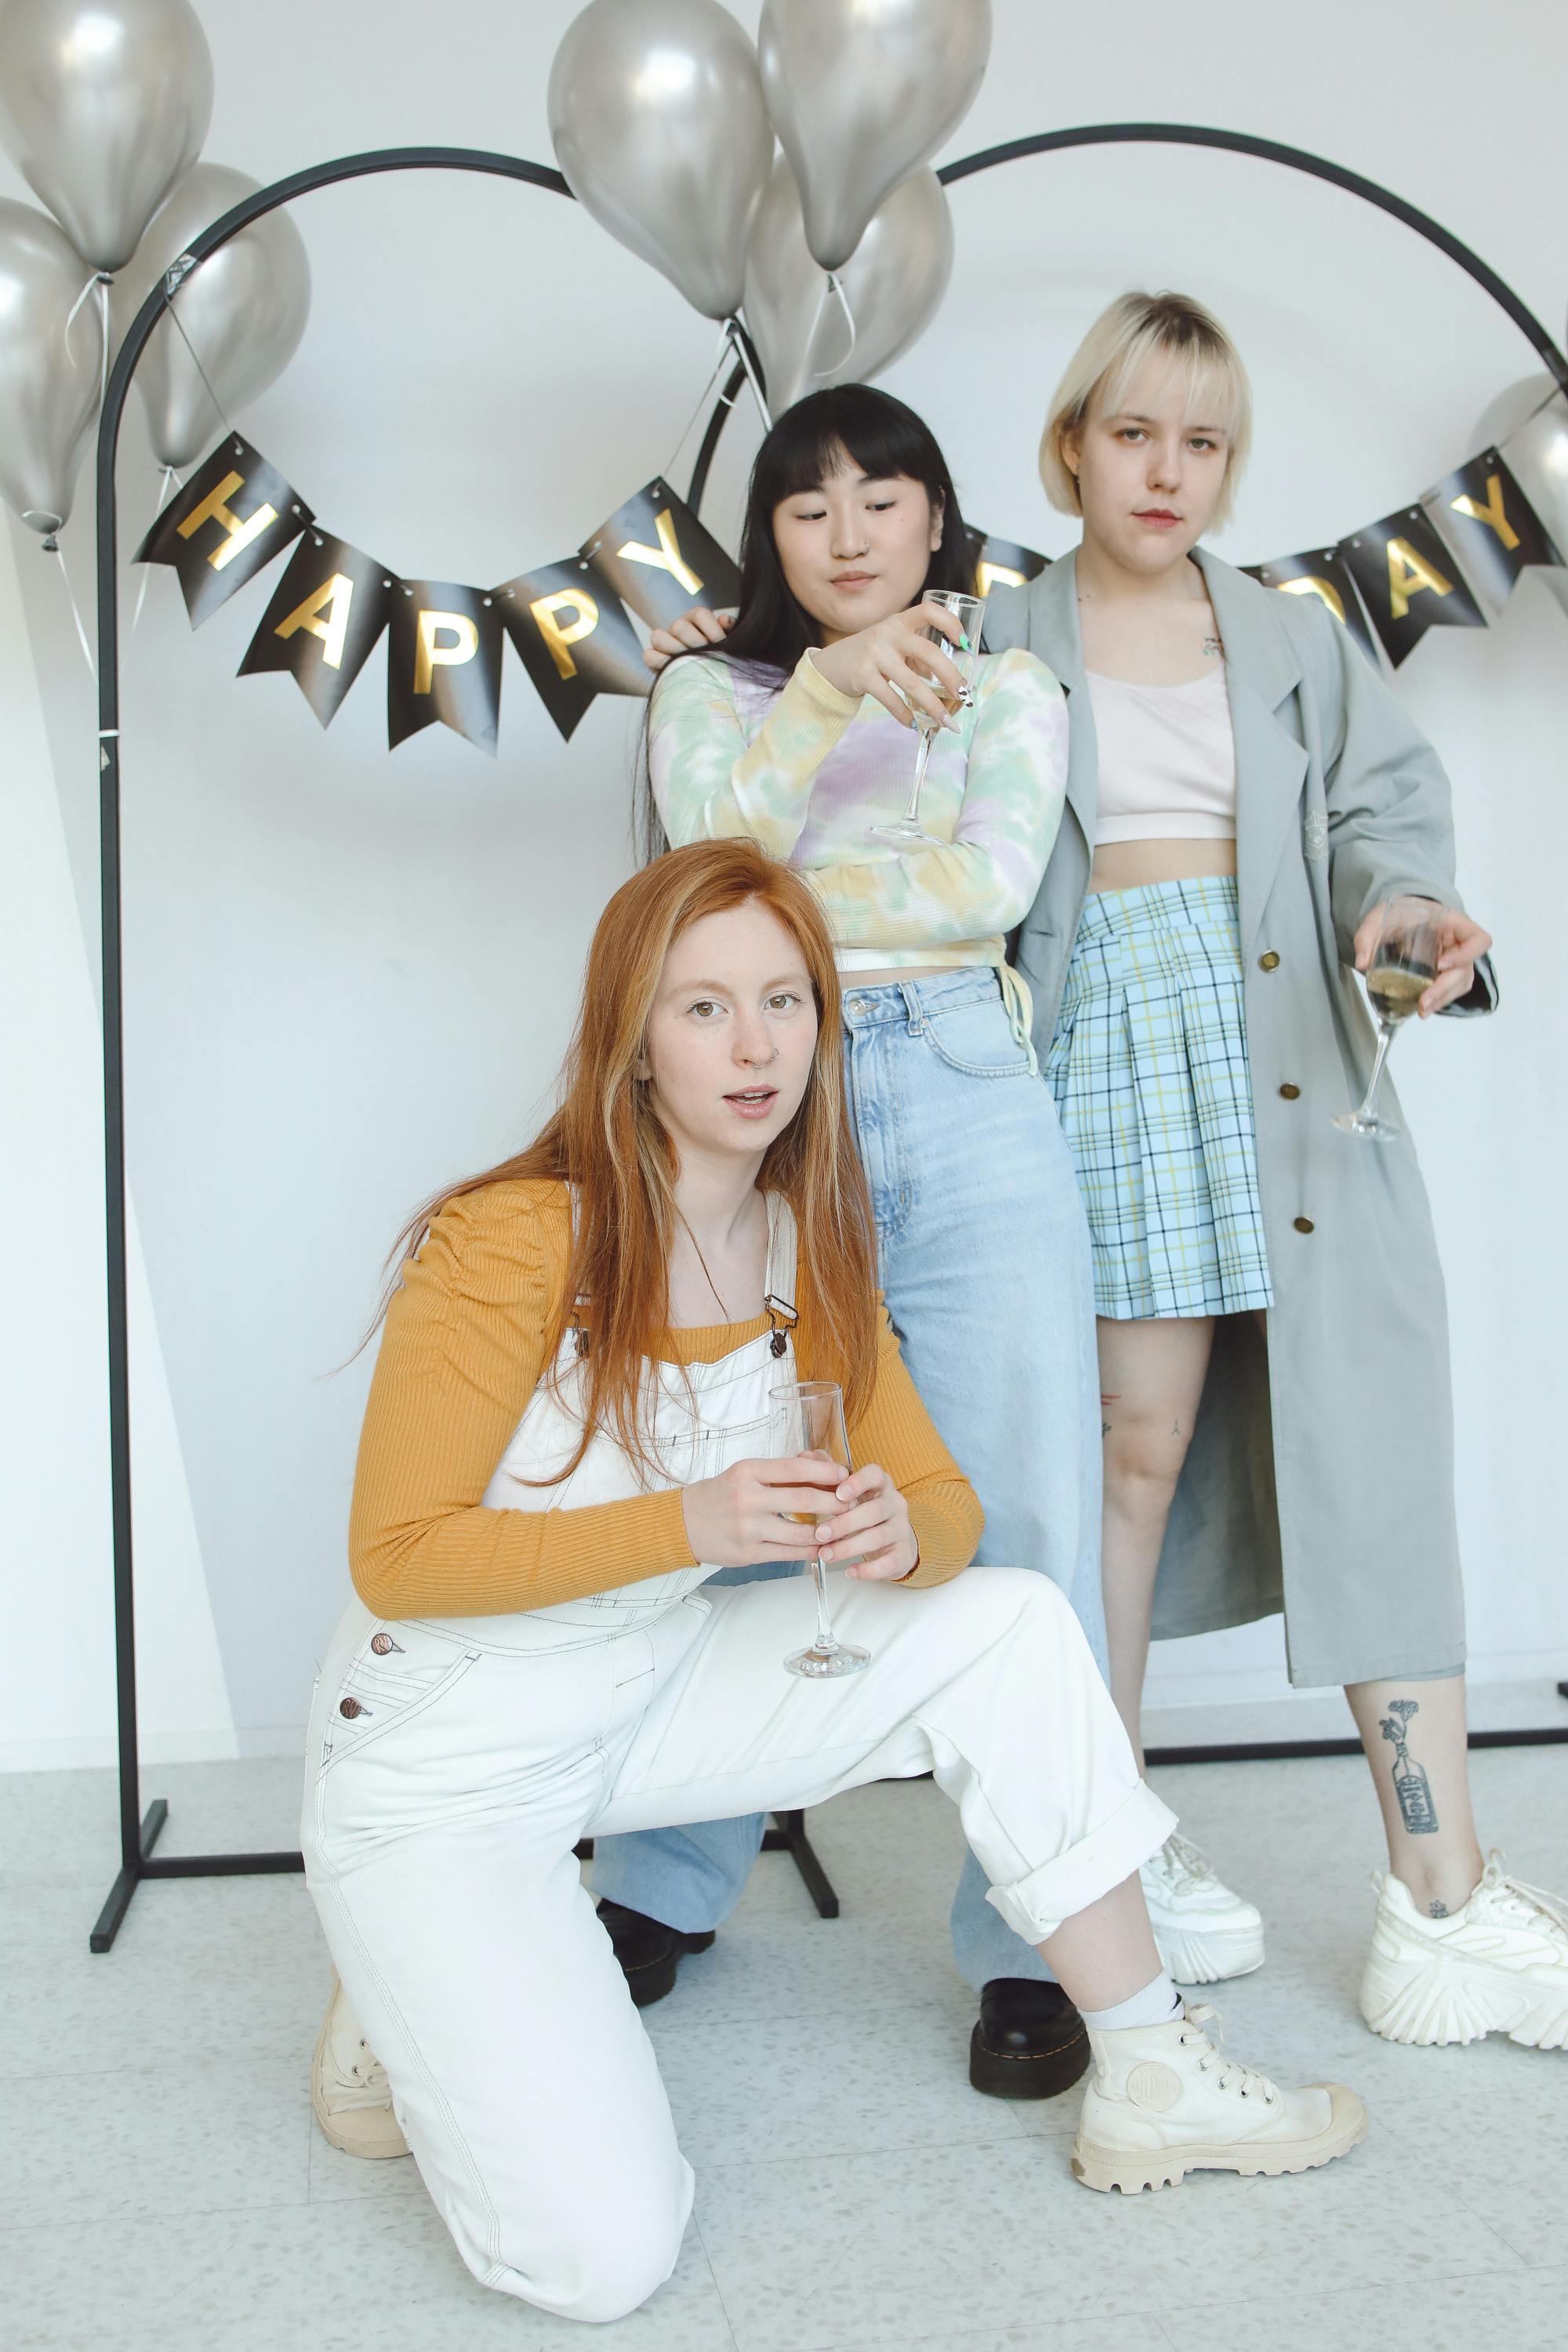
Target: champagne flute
<point>1403,966</point>
<point>969,611</point>
<point>809,1420</point>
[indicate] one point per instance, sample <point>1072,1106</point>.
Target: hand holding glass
<point>808,1421</point>
<point>1404,965</point>
<point>969,611</point>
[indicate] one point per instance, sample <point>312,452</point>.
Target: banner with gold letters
<point>233,515</point>
<point>1484,516</point>
<point>1320,573</point>
<point>326,614</point>
<point>442,661</point>
<point>574,637</point>
<point>656,555</point>
<point>1451,560</point>
<point>1408,581</point>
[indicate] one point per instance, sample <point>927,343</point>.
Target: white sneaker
<point>1499,1966</point>
<point>1202,1930</point>
<point>1163,2102</point>
<point>349,2089</point>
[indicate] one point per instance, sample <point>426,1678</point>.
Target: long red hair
<point>607,1143</point>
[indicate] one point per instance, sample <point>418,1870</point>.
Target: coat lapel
<point>1261,672</point>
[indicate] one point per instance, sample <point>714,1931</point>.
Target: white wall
<point>349,974</point>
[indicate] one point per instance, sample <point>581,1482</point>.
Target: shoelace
<point>1533,1899</point>
<point>1251,2085</point>
<point>1179,1861</point>
<point>367,2071</point>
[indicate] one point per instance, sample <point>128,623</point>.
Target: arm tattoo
<point>1411,1785</point>
<point>1213,649</point>
<point>1437,1910</point>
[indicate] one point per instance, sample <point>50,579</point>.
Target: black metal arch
<point>138,1836</point>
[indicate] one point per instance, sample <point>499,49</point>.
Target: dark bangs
<point>884,439</point>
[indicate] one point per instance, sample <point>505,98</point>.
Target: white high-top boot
<point>1499,1966</point>
<point>349,2089</point>
<point>1164,2101</point>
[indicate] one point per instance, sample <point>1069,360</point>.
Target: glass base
<point>1376,1129</point>
<point>905,829</point>
<point>822,1665</point>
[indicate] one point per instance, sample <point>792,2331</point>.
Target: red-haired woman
<point>561,1446</point>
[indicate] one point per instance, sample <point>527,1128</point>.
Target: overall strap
<point>778,1281</point>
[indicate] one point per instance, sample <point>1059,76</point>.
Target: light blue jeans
<point>985,1263</point>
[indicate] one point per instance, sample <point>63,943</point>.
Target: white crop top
<point>1167,760</point>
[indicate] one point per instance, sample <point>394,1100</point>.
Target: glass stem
<point>1384,1039</point>
<point>827,1639</point>
<point>912,814</point>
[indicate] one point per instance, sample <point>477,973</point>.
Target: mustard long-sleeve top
<point>461,1353</point>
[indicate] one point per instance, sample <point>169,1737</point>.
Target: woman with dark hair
<point>797,733</point>
<point>559,1446</point>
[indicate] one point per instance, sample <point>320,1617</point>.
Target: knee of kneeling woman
<point>607,2273</point>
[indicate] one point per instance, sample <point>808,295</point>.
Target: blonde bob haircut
<point>1195,349</point>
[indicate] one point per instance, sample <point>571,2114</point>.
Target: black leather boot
<point>1030,2041</point>
<point>650,1952</point>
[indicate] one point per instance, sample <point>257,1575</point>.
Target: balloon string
<point>834,286</point>
<point>703,398</point>
<point>179,322</point>
<point>742,350</point>
<point>53,547</point>
<point>170,480</point>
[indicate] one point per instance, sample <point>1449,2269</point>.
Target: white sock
<point>1157,2004</point>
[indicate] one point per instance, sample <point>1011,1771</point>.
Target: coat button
<point>1304,1225</point>
<point>1269,960</point>
<point>1290,1094</point>
<point>351,1707</point>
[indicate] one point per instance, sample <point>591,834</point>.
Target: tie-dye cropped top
<point>805,770</point>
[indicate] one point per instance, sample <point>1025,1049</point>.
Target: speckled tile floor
<point>162,2184</point>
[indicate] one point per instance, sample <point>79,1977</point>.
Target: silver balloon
<point>893,285</point>
<point>103,104</point>
<point>50,378</point>
<point>244,311</point>
<point>657,113</point>
<point>862,96</point>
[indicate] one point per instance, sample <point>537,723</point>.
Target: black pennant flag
<point>1002,563</point>
<point>657,556</point>
<point>442,661</point>
<point>1320,573</point>
<point>326,613</point>
<point>233,515</point>
<point>1408,581</point>
<point>574,636</point>
<point>1487,520</point>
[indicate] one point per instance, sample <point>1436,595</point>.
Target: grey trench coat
<point>1319,1478</point>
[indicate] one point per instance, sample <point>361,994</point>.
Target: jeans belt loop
<point>910,995</point>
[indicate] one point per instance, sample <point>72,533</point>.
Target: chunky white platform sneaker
<point>1202,1930</point>
<point>1499,1966</point>
<point>349,2089</point>
<point>1164,2101</point>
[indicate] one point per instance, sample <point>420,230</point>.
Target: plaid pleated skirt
<point>1150,1073</point>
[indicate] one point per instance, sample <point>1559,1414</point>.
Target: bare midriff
<point>1136,865</point>
<point>849,980</point>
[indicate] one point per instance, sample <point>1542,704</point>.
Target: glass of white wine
<point>969,611</point>
<point>1403,966</point>
<point>808,1419</point>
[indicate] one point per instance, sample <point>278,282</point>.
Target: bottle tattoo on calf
<point>1411,1785</point>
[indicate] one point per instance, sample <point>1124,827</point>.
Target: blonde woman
<point>1243,795</point>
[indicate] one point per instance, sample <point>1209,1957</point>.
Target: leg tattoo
<point>1437,1910</point>
<point>1411,1785</point>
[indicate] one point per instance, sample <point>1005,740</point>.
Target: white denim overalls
<point>453,1763</point>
